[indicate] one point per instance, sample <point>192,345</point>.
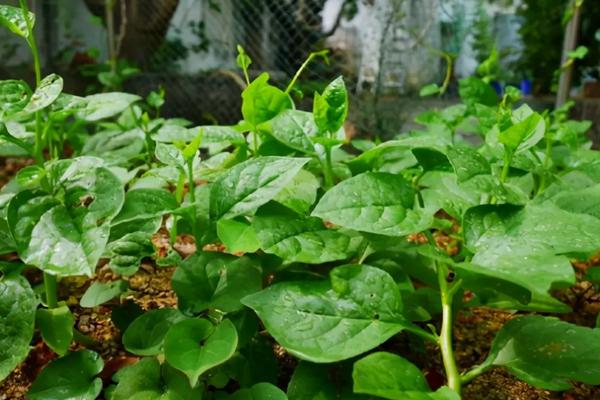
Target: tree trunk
<point>146,24</point>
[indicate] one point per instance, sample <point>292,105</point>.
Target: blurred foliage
<point>542,32</point>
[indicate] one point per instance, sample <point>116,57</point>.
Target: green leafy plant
<point>333,249</point>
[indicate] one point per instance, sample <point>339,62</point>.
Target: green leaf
<point>146,203</point>
<point>473,91</point>
<point>327,321</point>
<point>127,252</point>
<point>330,108</point>
<point>243,60</point>
<point>429,90</point>
<point>374,202</point>
<point>300,193</point>
<point>310,382</point>
<point>14,95</point>
<point>105,105</point>
<point>214,280</point>
<point>14,20</point>
<point>194,346</point>
<point>248,185</point>
<point>56,326</point>
<point>302,239</point>
<point>524,134</point>
<point>100,292</point>
<point>45,94</point>
<point>30,176</point>
<point>145,334</point>
<point>7,243</point>
<point>467,162</point>
<point>237,236</point>
<point>72,377</point>
<point>528,246</point>
<point>262,101</point>
<point>68,238</point>
<point>116,148</point>
<point>294,129</point>
<point>260,391</point>
<point>17,316</point>
<point>148,380</point>
<point>390,376</point>
<point>547,353</point>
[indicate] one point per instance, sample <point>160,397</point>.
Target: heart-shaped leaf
<point>194,346</point>
<point>105,105</point>
<point>262,101</point>
<point>145,335</point>
<point>260,391</point>
<point>56,326</point>
<point>14,96</point>
<point>390,376</point>
<point>214,280</point>
<point>72,377</point>
<point>327,321</point>
<point>148,380</point>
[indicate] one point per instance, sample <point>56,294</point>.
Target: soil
<point>151,288</point>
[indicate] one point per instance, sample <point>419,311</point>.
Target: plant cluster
<point>327,246</point>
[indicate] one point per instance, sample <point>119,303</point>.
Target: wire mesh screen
<point>189,48</point>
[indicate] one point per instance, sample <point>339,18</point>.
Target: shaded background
<point>386,50</point>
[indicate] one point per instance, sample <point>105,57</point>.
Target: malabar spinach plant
<point>331,248</point>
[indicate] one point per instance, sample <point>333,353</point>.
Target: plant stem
<point>474,373</point>
<point>38,148</point>
<point>328,170</point>
<point>50,289</point>
<point>311,57</point>
<point>546,166</point>
<point>192,192</point>
<point>445,340</point>
<point>506,166</point>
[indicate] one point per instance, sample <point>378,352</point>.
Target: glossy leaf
<point>146,203</point>
<point>214,280</point>
<point>45,94</point>
<point>260,391</point>
<point>145,334</point>
<point>330,108</point>
<point>101,292</point>
<point>327,321</point>
<point>303,239</point>
<point>14,95</point>
<point>390,376</point>
<point>294,129</point>
<point>127,252</point>
<point>194,346</point>
<point>72,377</point>
<point>17,316</point>
<point>547,353</point>
<point>262,101</point>
<point>14,20</point>
<point>148,380</point>
<point>237,236</point>
<point>300,193</point>
<point>373,202</point>
<point>56,327</point>
<point>105,105</point>
<point>248,185</point>
<point>524,134</point>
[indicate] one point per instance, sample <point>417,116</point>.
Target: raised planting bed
<point>144,258</point>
